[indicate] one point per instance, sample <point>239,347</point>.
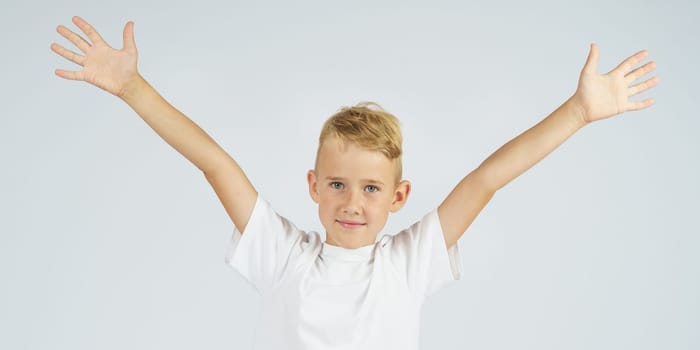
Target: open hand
<point>103,66</point>
<point>603,96</point>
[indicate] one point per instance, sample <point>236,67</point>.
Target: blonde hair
<point>369,126</point>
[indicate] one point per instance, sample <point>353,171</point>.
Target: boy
<point>349,292</point>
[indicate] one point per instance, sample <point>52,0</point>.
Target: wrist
<point>132,88</point>
<point>576,110</point>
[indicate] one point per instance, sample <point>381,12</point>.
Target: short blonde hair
<point>369,126</point>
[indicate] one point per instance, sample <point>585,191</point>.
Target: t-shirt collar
<point>357,254</point>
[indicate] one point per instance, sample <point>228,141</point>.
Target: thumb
<point>129,42</point>
<point>591,65</point>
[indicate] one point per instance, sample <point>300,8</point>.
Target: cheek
<point>326,206</point>
<point>324,214</point>
<point>381,205</point>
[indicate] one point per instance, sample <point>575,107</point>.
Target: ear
<point>313,182</point>
<point>403,189</point>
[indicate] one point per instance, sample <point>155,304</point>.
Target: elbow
<point>223,165</point>
<point>487,183</point>
<point>214,174</point>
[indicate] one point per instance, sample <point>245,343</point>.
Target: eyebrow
<point>335,178</point>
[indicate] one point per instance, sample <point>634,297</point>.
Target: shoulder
<point>424,229</point>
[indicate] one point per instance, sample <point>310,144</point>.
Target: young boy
<point>351,291</point>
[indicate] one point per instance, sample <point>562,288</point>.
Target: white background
<point>109,239</point>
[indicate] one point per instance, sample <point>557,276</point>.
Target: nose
<point>353,203</point>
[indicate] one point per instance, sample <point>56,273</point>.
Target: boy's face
<point>355,190</point>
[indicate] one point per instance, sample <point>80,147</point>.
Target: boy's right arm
<point>115,71</point>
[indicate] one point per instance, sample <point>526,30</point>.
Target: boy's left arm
<point>597,97</point>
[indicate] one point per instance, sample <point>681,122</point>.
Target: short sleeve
<point>421,253</point>
<point>263,251</point>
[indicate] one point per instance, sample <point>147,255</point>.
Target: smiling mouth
<point>350,224</point>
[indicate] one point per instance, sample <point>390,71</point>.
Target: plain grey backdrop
<point>109,239</point>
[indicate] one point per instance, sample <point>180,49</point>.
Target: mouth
<point>350,224</point>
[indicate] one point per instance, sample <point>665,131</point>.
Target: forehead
<point>339,159</point>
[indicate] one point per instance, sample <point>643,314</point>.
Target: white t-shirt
<point>318,296</point>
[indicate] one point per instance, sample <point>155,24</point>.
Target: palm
<point>108,68</point>
<point>103,66</point>
<point>603,96</point>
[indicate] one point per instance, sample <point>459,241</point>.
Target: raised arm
<point>115,71</point>
<point>597,97</point>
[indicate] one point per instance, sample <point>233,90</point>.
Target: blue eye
<point>371,188</point>
<point>336,185</point>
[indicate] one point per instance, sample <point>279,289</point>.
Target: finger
<point>591,65</point>
<point>76,39</point>
<point>640,72</point>
<point>630,62</point>
<point>129,42</point>
<point>70,75</point>
<point>635,106</point>
<point>643,86</point>
<point>87,29</point>
<point>68,54</point>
